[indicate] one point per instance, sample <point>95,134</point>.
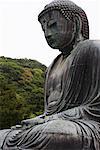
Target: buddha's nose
<point>48,33</point>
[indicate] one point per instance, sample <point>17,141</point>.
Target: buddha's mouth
<point>50,41</point>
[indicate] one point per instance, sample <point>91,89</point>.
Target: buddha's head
<point>64,24</point>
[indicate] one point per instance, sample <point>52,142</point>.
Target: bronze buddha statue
<point>71,120</point>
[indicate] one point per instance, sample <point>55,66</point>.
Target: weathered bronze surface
<point>71,120</point>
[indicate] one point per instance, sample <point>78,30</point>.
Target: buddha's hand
<point>51,117</point>
<point>34,121</point>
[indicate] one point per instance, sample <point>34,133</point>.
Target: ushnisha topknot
<point>69,10</point>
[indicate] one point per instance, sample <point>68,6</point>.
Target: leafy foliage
<point>21,90</point>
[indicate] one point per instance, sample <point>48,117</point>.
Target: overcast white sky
<point>20,32</point>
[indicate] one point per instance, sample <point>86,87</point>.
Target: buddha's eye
<point>52,23</point>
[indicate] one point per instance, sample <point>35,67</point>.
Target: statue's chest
<point>60,68</point>
<point>56,79</point>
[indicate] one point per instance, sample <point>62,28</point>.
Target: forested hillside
<point>21,90</point>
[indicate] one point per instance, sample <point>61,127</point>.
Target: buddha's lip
<point>50,40</point>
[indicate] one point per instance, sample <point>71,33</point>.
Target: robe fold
<point>72,92</point>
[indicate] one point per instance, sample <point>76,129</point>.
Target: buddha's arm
<point>85,82</point>
<point>70,114</point>
<point>73,113</point>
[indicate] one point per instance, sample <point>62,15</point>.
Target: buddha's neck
<point>66,50</point>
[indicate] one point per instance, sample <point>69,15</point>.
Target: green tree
<point>12,106</point>
<point>21,90</point>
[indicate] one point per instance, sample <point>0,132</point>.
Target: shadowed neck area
<point>67,50</point>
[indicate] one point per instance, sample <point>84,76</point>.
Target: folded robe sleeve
<point>81,88</point>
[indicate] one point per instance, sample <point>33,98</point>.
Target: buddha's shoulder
<point>88,46</point>
<point>87,43</point>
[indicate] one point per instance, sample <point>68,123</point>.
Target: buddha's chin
<point>53,45</point>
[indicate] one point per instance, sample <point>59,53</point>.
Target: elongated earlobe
<point>79,36</point>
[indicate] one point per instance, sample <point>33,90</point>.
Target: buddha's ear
<point>78,22</point>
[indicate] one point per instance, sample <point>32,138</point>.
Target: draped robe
<point>72,93</point>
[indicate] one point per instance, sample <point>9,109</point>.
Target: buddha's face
<point>59,32</point>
